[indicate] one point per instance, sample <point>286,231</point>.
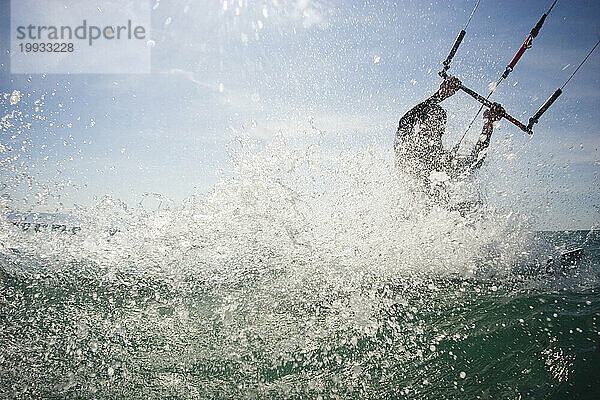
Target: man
<point>422,152</point>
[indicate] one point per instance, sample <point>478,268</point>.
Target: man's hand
<point>449,87</point>
<point>494,113</point>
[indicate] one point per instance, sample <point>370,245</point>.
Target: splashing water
<point>305,272</point>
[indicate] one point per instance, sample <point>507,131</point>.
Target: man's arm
<point>407,123</point>
<point>475,160</point>
<point>491,116</point>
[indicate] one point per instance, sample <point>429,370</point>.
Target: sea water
<point>305,273</point>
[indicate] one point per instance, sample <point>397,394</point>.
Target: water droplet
<point>15,97</point>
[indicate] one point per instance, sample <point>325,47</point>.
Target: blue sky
<point>354,66</point>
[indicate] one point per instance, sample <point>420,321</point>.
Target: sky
<point>221,68</point>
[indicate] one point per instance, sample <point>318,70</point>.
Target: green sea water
<point>80,331</point>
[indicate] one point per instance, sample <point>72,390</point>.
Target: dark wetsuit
<point>422,151</point>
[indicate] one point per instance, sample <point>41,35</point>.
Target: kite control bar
<point>509,68</point>
<point>483,100</point>
<point>526,45</point>
<point>488,103</point>
<point>536,117</point>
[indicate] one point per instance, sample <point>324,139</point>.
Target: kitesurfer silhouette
<point>421,151</point>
